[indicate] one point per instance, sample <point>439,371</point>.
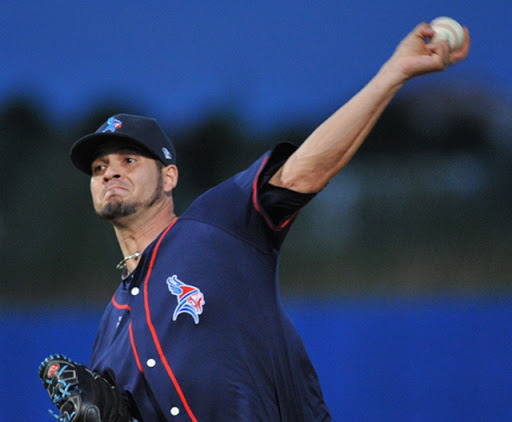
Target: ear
<point>170,177</point>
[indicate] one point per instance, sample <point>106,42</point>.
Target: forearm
<point>332,144</point>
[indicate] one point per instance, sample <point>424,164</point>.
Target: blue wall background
<point>378,360</point>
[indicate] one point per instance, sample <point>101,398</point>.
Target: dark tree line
<point>54,248</point>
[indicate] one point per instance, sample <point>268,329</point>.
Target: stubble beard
<point>117,209</point>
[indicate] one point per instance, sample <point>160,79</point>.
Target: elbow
<point>311,183</point>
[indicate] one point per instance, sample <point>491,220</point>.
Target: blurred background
<point>398,275</point>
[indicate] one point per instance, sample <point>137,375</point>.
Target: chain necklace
<point>122,263</point>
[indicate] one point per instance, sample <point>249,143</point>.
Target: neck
<point>137,232</point>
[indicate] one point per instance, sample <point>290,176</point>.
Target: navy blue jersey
<point>198,331</point>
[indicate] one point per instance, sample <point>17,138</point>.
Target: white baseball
<point>448,29</point>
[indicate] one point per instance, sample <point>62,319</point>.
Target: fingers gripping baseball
<point>80,394</point>
<point>416,55</point>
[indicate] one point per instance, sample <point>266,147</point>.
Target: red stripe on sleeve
<point>257,205</point>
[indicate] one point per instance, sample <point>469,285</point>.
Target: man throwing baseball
<point>196,330</point>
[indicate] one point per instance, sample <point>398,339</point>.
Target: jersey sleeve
<point>248,206</point>
<point>278,204</point>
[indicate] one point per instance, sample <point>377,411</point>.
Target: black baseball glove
<point>80,394</point>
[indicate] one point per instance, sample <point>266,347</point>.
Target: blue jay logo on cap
<point>167,154</point>
<point>190,299</point>
<point>112,125</point>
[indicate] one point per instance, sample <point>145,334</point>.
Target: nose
<point>111,172</point>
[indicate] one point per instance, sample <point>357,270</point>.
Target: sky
<point>270,60</point>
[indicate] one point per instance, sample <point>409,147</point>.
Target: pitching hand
<point>415,56</point>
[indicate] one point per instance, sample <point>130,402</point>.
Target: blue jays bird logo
<point>190,299</point>
<point>112,125</point>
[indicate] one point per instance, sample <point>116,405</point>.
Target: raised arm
<point>331,145</point>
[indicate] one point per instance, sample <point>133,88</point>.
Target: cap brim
<point>85,150</point>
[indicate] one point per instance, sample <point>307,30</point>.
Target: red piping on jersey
<point>134,348</point>
<point>119,306</point>
<point>135,353</point>
<point>153,331</point>
<point>257,205</point>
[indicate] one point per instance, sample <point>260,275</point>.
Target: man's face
<point>123,182</point>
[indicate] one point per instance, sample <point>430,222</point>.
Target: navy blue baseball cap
<point>143,132</point>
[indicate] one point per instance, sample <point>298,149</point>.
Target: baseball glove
<point>80,394</point>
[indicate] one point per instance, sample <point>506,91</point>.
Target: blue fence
<point>380,360</point>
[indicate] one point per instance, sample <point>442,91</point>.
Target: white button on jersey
<point>175,411</point>
<point>135,291</point>
<point>151,363</point>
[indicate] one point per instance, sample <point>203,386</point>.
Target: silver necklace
<point>122,263</point>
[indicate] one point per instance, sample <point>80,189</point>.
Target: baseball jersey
<point>198,332</point>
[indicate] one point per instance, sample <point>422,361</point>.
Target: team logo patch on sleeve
<point>190,299</point>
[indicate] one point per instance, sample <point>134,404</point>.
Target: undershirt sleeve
<point>279,203</point>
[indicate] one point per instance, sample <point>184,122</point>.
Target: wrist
<point>392,75</point>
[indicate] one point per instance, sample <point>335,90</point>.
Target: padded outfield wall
<point>378,360</point>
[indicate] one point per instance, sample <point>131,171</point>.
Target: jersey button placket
<point>175,411</point>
